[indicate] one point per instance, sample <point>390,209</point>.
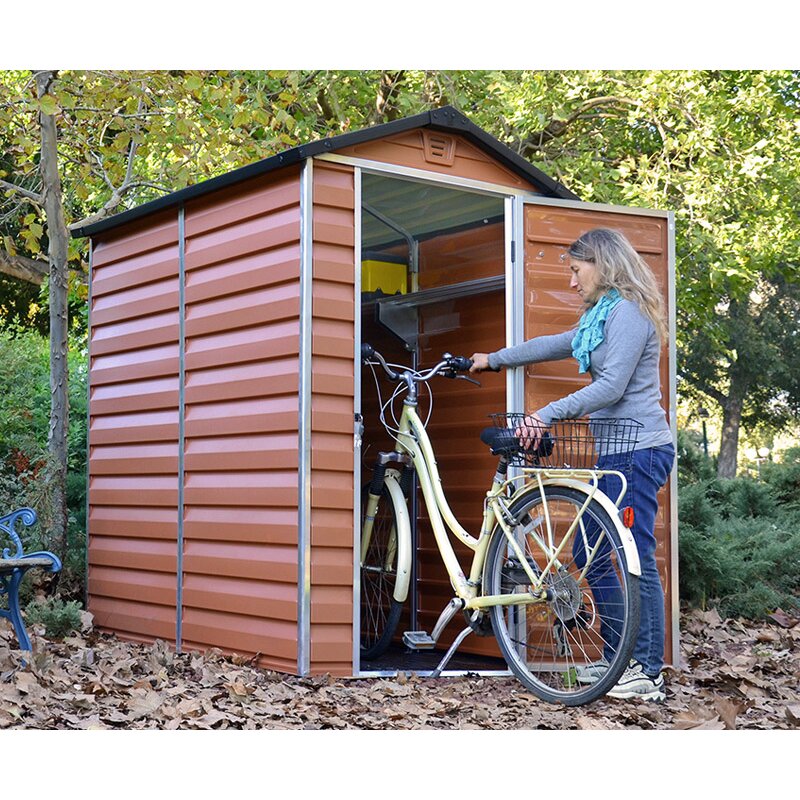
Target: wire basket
<point>568,443</point>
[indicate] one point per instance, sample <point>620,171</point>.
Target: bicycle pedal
<point>418,640</point>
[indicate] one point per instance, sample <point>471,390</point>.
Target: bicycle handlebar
<point>453,364</point>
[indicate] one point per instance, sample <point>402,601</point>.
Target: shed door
<point>550,306</point>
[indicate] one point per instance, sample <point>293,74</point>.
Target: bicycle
<point>554,575</point>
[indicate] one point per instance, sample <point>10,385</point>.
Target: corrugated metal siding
<point>552,307</point>
<point>241,420</point>
<point>332,388</point>
<point>409,150</point>
<point>133,431</point>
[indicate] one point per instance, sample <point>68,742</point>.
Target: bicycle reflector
<point>627,516</point>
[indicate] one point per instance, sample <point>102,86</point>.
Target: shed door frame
<point>514,204</point>
<point>504,193</point>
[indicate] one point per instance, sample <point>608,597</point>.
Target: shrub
<point>24,421</point>
<point>693,465</point>
<point>784,477</point>
<point>743,497</point>
<point>59,618</point>
<point>738,548</point>
<point>695,507</point>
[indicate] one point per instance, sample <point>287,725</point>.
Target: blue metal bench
<point>13,566</point>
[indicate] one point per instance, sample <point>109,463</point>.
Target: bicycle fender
<point>625,535</point>
<point>403,536</point>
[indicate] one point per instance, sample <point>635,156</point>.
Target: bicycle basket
<point>571,443</point>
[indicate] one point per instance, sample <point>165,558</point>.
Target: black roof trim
<point>446,118</point>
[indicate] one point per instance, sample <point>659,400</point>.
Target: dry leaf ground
<point>734,675</point>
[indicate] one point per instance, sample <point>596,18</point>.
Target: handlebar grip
<point>367,351</point>
<point>460,363</point>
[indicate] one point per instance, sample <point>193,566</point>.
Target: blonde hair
<point>620,267</point>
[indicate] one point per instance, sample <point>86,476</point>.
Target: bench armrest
<point>8,525</point>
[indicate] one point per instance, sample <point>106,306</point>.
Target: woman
<point>618,340</point>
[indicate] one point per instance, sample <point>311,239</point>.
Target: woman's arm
<point>626,333</point>
<point>541,348</point>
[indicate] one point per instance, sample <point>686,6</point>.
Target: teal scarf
<point>591,328</point>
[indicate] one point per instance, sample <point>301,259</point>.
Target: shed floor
<point>400,659</point>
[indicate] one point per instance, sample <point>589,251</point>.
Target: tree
<point>746,361</point>
<point>49,200</point>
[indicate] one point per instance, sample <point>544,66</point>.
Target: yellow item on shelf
<point>387,276</point>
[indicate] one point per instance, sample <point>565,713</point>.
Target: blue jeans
<point>646,472</point>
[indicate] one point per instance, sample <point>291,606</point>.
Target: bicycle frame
<point>415,444</point>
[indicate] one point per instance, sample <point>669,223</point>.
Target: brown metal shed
<point>225,326</point>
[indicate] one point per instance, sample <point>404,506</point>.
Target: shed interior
<point>433,281</point>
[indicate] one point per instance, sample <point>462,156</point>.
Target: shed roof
<point>445,118</point>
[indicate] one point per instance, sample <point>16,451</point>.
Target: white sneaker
<point>591,673</point>
<point>635,684</point>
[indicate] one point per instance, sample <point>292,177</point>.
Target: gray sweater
<point>624,369</point>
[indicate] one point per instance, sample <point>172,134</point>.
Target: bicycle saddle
<point>503,442</point>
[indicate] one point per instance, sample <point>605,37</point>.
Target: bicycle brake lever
<point>465,378</point>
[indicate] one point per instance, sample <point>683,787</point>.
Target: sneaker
<point>591,673</point>
<point>635,684</point>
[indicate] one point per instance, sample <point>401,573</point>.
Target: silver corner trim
<point>357,388</point>
<point>304,423</point>
<point>516,377</point>
<point>673,405</point>
<point>88,425</point>
<point>181,421</point>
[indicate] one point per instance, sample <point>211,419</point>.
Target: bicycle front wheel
<point>573,646</point>
<point>380,612</point>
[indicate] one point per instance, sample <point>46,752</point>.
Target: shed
<point>226,321</point>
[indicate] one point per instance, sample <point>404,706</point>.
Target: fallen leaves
<point>735,676</point>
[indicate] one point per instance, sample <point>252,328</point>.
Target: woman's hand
<point>530,432</point>
<point>480,362</point>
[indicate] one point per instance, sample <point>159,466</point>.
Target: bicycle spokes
<point>577,609</point>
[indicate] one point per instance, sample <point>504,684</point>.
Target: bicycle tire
<point>380,612</point>
<point>549,645</point>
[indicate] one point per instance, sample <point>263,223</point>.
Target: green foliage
<point>742,498</point>
<point>59,618</point>
<point>692,462</point>
<point>739,548</point>
<point>695,508</point>
<point>784,477</point>
<point>24,409</point>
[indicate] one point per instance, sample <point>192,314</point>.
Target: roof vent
<point>439,148</point>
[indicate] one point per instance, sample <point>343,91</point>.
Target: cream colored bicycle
<point>554,572</point>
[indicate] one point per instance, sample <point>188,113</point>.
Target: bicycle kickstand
<point>452,608</point>
<point>449,654</point>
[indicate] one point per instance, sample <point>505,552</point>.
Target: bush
<point>739,548</point>
<point>24,422</point>
<point>742,497</point>
<point>693,465</point>
<point>695,508</point>
<point>784,477</point>
<point>59,618</point>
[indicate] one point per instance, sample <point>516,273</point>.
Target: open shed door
<point>547,305</point>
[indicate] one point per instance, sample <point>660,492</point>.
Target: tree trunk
<point>729,442</point>
<point>58,240</point>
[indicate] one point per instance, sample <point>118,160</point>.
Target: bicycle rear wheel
<point>380,612</point>
<point>591,614</point>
